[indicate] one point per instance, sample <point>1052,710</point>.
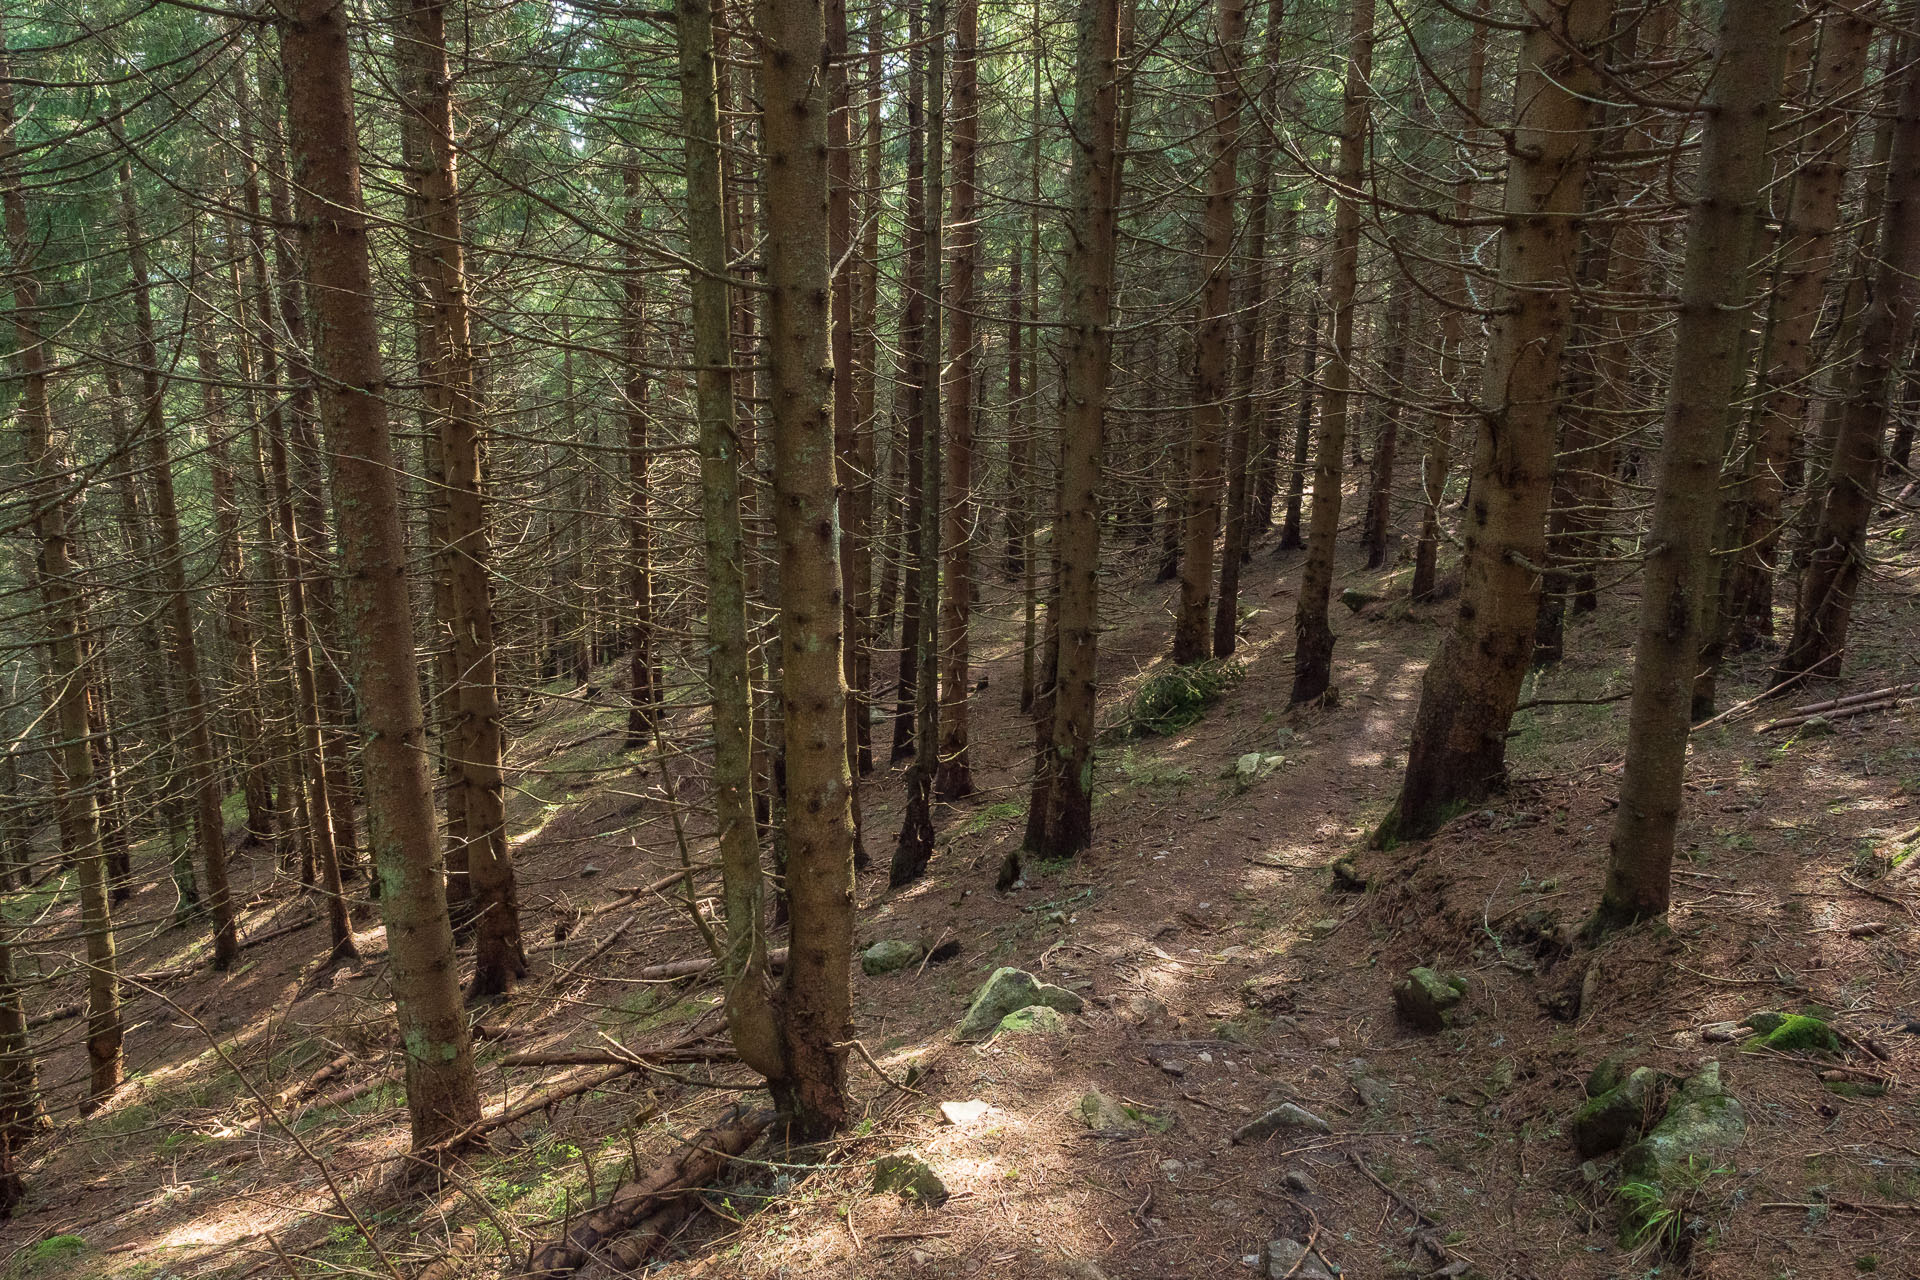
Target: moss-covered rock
<point>889,955</point>
<point>1427,1001</point>
<point>1608,1074</point>
<point>1703,1122</point>
<point>1612,1117</point>
<point>1797,1033</point>
<point>908,1176</point>
<point>1103,1114</point>
<point>1007,990</point>
<point>1034,1020</point>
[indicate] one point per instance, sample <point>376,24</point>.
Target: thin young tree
<point>1213,338</point>
<point>1313,634</point>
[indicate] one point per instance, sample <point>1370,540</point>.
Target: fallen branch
<point>1892,690</point>
<point>698,1162</point>
<point>776,959</point>
<point>1833,713</point>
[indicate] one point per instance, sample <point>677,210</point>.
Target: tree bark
<point>68,675</point>
<point>405,836</point>
<point>1313,636</point>
<point>1818,644</point>
<point>1212,344</point>
<point>816,997</point>
<point>1458,752</point>
<point>1682,572</point>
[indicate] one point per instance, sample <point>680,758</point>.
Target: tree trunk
<point>1786,358</point>
<point>405,836</point>
<point>1212,341</point>
<point>1290,539</point>
<point>908,402</point>
<point>499,960</point>
<point>1250,341</point>
<point>1709,344</point>
<point>816,1008</point>
<point>1087,316</point>
<point>1313,636</point>
<point>1453,335</point>
<point>1376,528</point>
<point>953,779</point>
<point>1838,548</point>
<point>1458,752</point>
<point>749,1007</point>
<point>644,697</point>
<point>203,766</point>
<point>74,800</point>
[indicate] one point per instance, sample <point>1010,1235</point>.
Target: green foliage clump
<point>1178,697</point>
<point>47,1257</point>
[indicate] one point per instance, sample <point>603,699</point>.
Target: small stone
<point>1204,1057</point>
<point>1815,727</point>
<point>1324,928</point>
<point>908,1176</point>
<point>1007,990</point>
<point>1722,1032</point>
<point>589,871</point>
<point>1143,1008</point>
<point>1376,1093</point>
<point>1426,1001</point>
<point>1172,1066</point>
<point>1608,1074</point>
<point>1869,929</point>
<point>889,955</point>
<point>1291,1260</point>
<point>1301,1181</point>
<point>1287,1115</point>
<point>963,1114</point>
<point>1171,1167</point>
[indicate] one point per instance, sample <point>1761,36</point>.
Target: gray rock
<point>1007,990</point>
<point>589,871</point>
<point>1609,1073</point>
<point>1300,1180</point>
<point>1704,1121</point>
<point>1815,727</point>
<point>1608,1121</point>
<point>1426,1001</point>
<point>1034,1020</point>
<point>889,955</point>
<point>1376,1094</point>
<point>1287,1115</point>
<point>908,1176</point>
<point>1103,1114</point>
<point>1291,1260</point>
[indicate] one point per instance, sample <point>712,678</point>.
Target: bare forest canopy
<point>592,535</point>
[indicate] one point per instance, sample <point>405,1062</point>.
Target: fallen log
<point>699,1161</point>
<point>776,959</point>
<point>1872,695</point>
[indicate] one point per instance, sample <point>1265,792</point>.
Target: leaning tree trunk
<point>405,835</point>
<point>1313,635</point>
<point>1458,752</point>
<point>816,999</point>
<point>67,672</point>
<point>1212,343</point>
<point>1682,572</point>
<point>1839,545</point>
<point>1087,316</point>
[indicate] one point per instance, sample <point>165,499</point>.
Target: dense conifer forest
<point>972,638</point>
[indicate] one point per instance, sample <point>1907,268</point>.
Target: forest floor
<point>1222,971</point>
